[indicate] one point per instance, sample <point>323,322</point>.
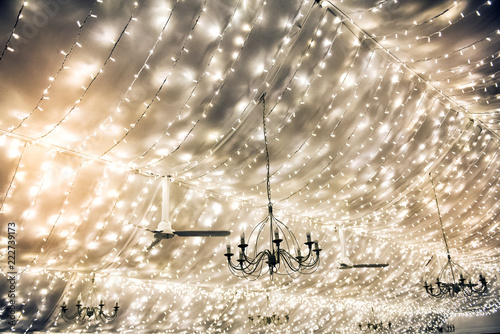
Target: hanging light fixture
<point>369,327</point>
<point>374,326</point>
<point>93,311</point>
<point>278,257</point>
<point>446,283</point>
<point>447,327</point>
<point>267,317</point>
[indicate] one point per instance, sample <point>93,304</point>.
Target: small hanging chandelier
<point>267,317</point>
<point>278,257</point>
<point>446,283</point>
<point>91,312</point>
<point>369,327</point>
<point>374,326</point>
<point>447,327</point>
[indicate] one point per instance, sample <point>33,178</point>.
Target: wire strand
<point>439,214</point>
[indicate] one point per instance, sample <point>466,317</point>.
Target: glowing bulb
<point>239,41</point>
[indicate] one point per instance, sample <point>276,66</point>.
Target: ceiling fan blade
<point>154,243</point>
<point>375,265</point>
<point>344,266</point>
<point>202,233</point>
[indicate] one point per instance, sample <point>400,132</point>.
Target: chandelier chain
<point>268,178</point>
<point>278,256</point>
<point>439,214</point>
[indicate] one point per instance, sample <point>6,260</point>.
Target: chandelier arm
<point>313,266</point>
<point>292,271</point>
<point>309,255</point>
<point>105,317</point>
<point>468,291</point>
<point>233,266</point>
<point>290,233</point>
<point>111,317</point>
<point>305,259</point>
<point>314,263</point>
<point>83,313</point>
<point>244,274</point>
<point>251,267</point>
<point>449,263</point>
<point>239,263</point>
<point>255,260</point>
<point>259,266</point>
<point>445,289</point>
<point>310,260</point>
<point>259,227</point>
<point>237,273</point>
<point>437,295</point>
<point>290,260</point>
<point>481,290</point>
<point>304,269</point>
<point>70,318</point>
<point>430,291</point>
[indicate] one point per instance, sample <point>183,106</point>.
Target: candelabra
<point>87,313</point>
<point>278,257</point>
<point>375,327</point>
<point>446,284</point>
<point>268,317</point>
<point>276,320</point>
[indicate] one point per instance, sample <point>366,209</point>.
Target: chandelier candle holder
<point>93,311</point>
<point>447,282</point>
<point>278,256</point>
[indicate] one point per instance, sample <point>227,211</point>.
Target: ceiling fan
<point>345,263</point>
<point>164,229</point>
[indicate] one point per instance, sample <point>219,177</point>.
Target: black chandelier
<point>448,327</point>
<point>369,327</point>
<point>374,326</point>
<point>268,317</point>
<point>278,258</point>
<point>446,283</point>
<point>91,312</point>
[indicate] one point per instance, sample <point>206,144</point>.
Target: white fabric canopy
<point>364,99</point>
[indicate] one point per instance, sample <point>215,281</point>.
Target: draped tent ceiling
<point>364,99</point>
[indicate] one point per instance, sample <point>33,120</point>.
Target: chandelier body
<point>276,320</point>
<point>375,327</point>
<point>279,260</point>
<point>268,317</point>
<point>89,313</point>
<point>84,313</point>
<point>442,288</point>
<point>278,256</point>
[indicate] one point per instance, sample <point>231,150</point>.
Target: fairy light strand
<point>95,76</point>
<point>13,31</point>
<point>61,68</point>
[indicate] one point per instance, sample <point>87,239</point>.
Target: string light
<point>61,68</point>
<point>370,126</point>
<point>13,32</point>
